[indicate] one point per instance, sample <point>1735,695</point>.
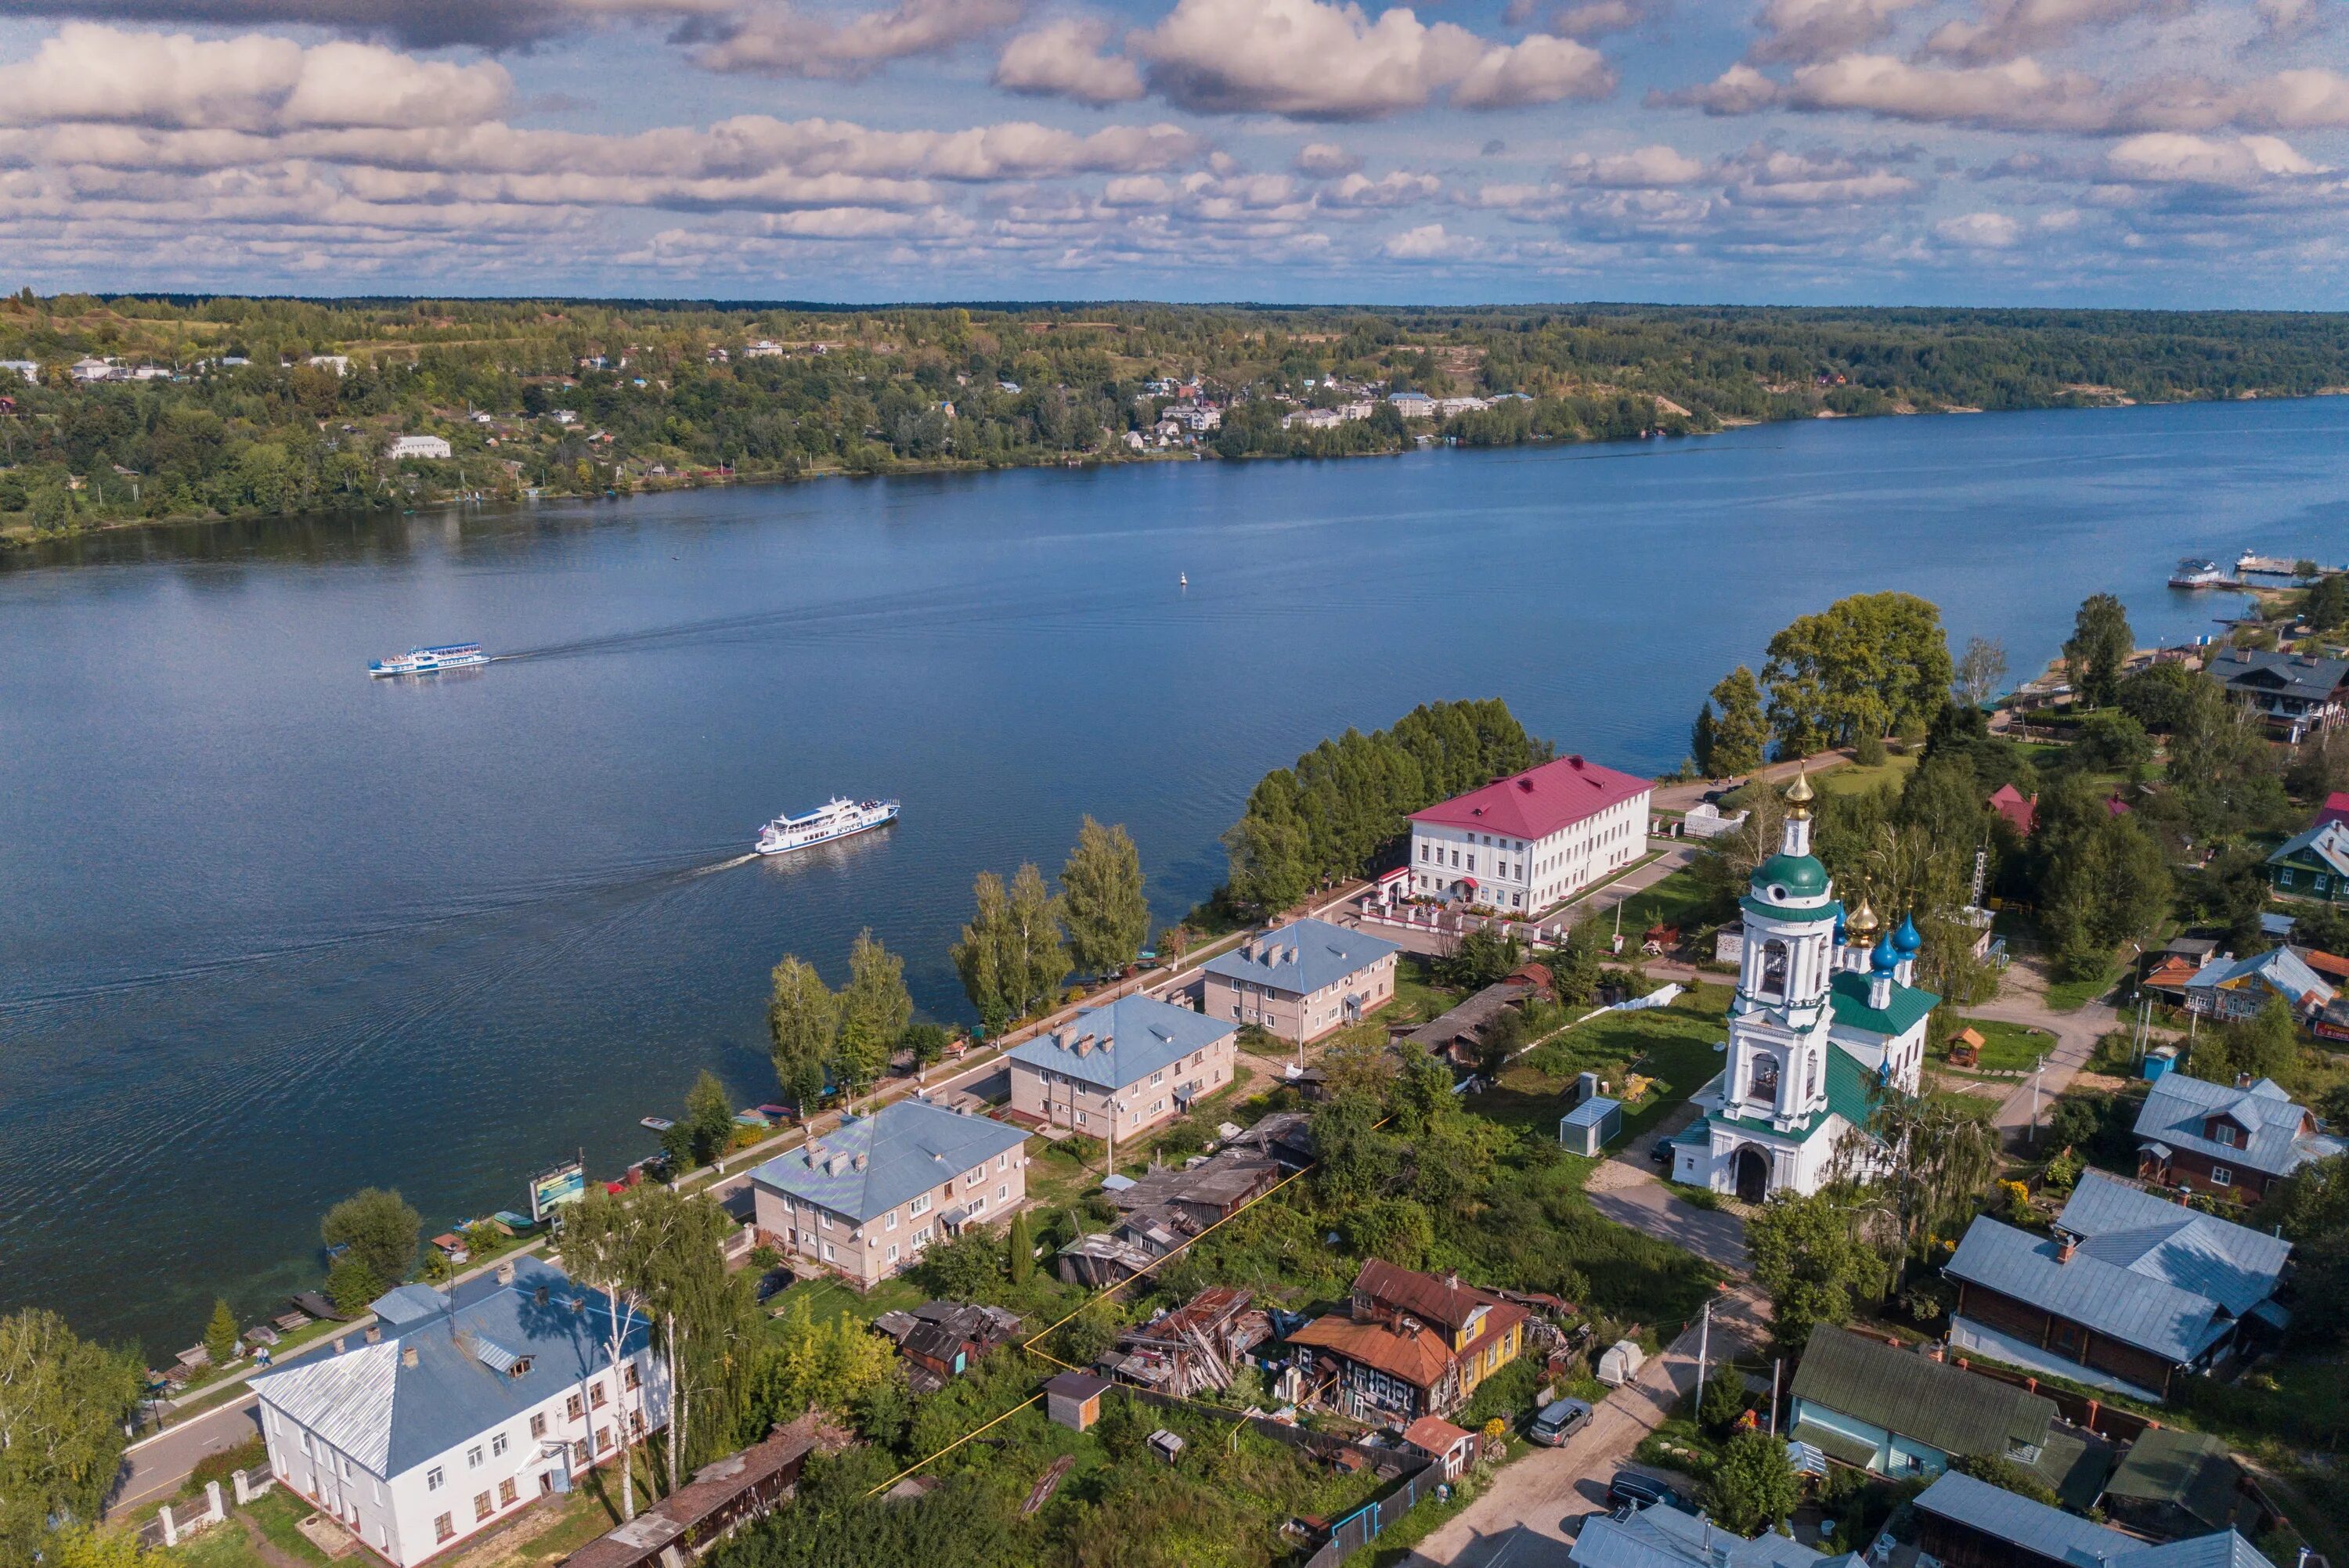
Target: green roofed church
<point>1827,1012</point>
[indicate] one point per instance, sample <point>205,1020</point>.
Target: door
<point>1751,1171</point>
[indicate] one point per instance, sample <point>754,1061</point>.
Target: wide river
<point>271,931</point>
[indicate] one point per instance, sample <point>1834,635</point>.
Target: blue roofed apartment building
<point>1125,1067</point>
<point>460,1406</point>
<point>1302,980</point>
<point>869,1197</point>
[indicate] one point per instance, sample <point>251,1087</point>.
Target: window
<point>595,1395</point>
<point>891,1222</point>
<point>1003,1161</point>
<point>603,1439</point>
<point>2221,1177</point>
<point>579,1451</point>
<point>508,1492</point>
<point>921,1205</point>
<point>922,1237</point>
<point>432,1479</point>
<point>572,1408</point>
<point>892,1255</point>
<point>473,1457</point>
<point>633,1377</point>
<point>538,1426</point>
<point>1003,1193</point>
<point>443,1528</point>
<point>482,1507</point>
<point>2226,1132</point>
<point>498,1444</point>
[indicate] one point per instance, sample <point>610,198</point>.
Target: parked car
<point>1559,1422</point>
<point>1629,1489</point>
<point>1660,1152</point>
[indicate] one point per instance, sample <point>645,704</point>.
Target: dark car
<point>1660,1151</point>
<point>1559,1422</point>
<point>1631,1489</point>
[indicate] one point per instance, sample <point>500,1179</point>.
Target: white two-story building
<point>461,1407</point>
<point>1522,843</point>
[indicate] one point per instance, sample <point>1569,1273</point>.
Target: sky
<point>2190,154</point>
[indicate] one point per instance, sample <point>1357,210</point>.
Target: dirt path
<point>1524,1521</point>
<point>268,1551</point>
<point>2023,999</point>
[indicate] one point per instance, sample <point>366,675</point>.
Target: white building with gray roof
<point>461,1407</point>
<point>868,1197</point>
<point>1123,1067</point>
<point>1301,980</point>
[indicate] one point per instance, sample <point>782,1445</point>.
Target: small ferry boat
<point>424,661</point>
<point>656,1123</point>
<point>2195,571</point>
<point>838,818</point>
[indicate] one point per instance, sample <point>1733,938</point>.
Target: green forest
<point>126,409</point>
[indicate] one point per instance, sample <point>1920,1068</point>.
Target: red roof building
<point>2021,809</point>
<point>2337,808</point>
<point>1523,843</point>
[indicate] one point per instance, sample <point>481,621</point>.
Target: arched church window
<point>1811,1092</point>
<point>1774,968</point>
<point>1762,1084</point>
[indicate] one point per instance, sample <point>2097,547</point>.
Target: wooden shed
<point>1073,1400</point>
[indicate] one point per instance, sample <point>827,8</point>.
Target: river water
<point>270,931</point>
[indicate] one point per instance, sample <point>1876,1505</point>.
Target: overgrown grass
<point>2008,1048</point>
<point>1673,1046</point>
<point>2071,995</point>
<point>1418,997</point>
<point>1853,780</point>
<point>1679,900</point>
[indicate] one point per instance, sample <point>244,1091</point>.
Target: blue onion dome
<point>1906,940</point>
<point>1886,958</point>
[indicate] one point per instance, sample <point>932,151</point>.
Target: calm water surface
<point>270,931</point>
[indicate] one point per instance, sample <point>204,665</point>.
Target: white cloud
<point>1312,60</point>
<point>1979,230</point>
<point>1399,188</point>
<point>1541,69</point>
<point>91,73</point>
<point>2016,94</point>
<point>1064,59</point>
<point>2304,98</point>
<point>1808,30</point>
<point>2285,20</point>
<point>1326,159</point>
<point>780,39</point>
<point>2013,28</point>
<point>1430,243</point>
<point>1594,18</point>
<point>1644,167</point>
<point>2170,157</point>
<point>1773,177</point>
<point>1740,89</point>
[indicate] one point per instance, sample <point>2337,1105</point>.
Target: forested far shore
<point>124,409</point>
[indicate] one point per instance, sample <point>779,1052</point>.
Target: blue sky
<point>2099,152</point>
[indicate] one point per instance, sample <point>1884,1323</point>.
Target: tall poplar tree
<point>803,1022</point>
<point>1739,735</point>
<point>1101,889</point>
<point>978,958</point>
<point>873,1012</point>
<point>1036,959</point>
<point>2100,643</point>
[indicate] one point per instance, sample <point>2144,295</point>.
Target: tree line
<point>1325,817</point>
<point>253,429</point>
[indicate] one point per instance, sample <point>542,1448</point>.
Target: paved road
<point>2023,999</point>
<point>1526,1519</point>
<point>1627,1190</point>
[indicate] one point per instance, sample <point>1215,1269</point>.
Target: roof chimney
<point>1575,762</point>
<point>338,1345</point>
<point>407,1356</point>
<point>2068,1245</point>
<point>506,1272</point>
<point>375,1334</point>
<point>2243,1080</point>
<point>860,1161</point>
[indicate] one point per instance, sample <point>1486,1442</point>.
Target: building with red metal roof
<point>1523,843</point>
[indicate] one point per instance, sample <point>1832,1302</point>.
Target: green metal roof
<point>1831,910</point>
<point>2075,1467</point>
<point>2191,1470</point>
<point>1801,875</point>
<point>1834,1444</point>
<point>1849,998</point>
<point>1928,1402</point>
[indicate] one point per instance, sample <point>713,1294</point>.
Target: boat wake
<point>880,612</point>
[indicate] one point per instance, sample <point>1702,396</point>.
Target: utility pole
<point>1703,1350</point>
<point>2037,1068</point>
<point>1775,1364</point>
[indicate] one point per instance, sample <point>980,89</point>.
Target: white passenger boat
<point>424,661</point>
<point>838,818</point>
<point>2195,571</point>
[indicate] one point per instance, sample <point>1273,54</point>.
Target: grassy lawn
<point>1672,1045</point>
<point>1853,780</point>
<point>2071,995</point>
<point>1679,900</point>
<point>2008,1048</point>
<point>1418,998</point>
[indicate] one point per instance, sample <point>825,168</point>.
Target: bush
<point>1754,1487</point>
<point>2007,1475</point>
<point>1869,751</point>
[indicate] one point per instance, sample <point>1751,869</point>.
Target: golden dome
<point>1799,794</point>
<point>1861,920</point>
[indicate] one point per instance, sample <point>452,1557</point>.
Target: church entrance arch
<point>1749,1169</point>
